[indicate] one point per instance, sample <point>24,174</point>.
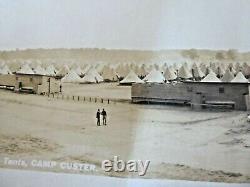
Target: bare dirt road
<point>180,143</point>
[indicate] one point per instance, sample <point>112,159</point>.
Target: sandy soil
<point>105,90</point>
<point>180,143</point>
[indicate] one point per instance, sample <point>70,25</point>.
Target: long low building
<point>39,84</point>
<point>196,94</point>
<point>8,80</point>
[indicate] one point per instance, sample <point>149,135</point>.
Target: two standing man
<point>104,117</point>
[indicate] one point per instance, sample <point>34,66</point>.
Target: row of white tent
<point>90,74</point>
<point>156,77</point>
<point>122,69</point>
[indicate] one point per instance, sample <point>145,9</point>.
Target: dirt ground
<point>179,142</point>
<point>102,90</point>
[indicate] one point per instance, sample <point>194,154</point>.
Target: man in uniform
<point>98,117</point>
<point>104,117</point>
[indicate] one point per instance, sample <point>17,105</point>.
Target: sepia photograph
<point>125,93</point>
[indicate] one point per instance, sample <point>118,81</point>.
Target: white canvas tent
<point>39,71</point>
<point>170,74</point>
<point>131,78</point>
<point>25,69</point>
<point>220,71</point>
<point>89,78</point>
<point>94,72</point>
<point>198,72</point>
<point>92,76</point>
<point>184,73</point>
<point>78,70</point>
<point>5,70</point>
<point>211,77</point>
<point>71,77</point>
<point>154,76</point>
<point>142,71</point>
<point>63,71</point>
<point>122,70</point>
<point>240,78</point>
<point>51,70</point>
<point>86,69</point>
<point>228,76</point>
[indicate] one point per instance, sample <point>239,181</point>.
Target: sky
<point>125,24</point>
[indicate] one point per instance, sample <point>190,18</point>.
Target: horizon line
<point>124,49</point>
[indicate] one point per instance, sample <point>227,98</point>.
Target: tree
<point>232,54</point>
<point>220,55</point>
<point>191,53</point>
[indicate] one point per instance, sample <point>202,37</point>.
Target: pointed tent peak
<point>198,73</point>
<point>156,66</point>
<point>238,68</point>
<point>164,66</point>
<point>131,78</point>
<point>172,69</point>
<point>230,65</point>
<point>211,77</point>
<point>109,74</point>
<point>142,71</point>
<point>154,76</point>
<point>99,67</point>
<point>14,66</point>
<point>38,70</point>
<point>233,71</point>
<point>213,66</point>
<point>186,65</point>
<point>240,78</point>
<point>122,70</point>
<point>220,70</point>
<point>5,70</point>
<point>89,78</point>
<point>25,69</point>
<point>246,71</point>
<point>71,77</point>
<point>176,66</point>
<point>228,76</point>
<point>64,70</point>
<point>86,68</point>
<point>51,70</point>
<point>194,65</point>
<point>78,70</point>
<point>244,65</point>
<point>92,72</point>
<point>170,74</point>
<point>184,73</point>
